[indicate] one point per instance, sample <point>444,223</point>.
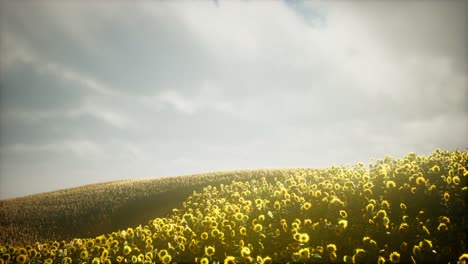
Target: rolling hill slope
<point>91,210</point>
<point>409,210</point>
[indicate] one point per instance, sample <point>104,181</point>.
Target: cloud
<point>179,87</point>
<point>180,103</point>
<point>82,149</point>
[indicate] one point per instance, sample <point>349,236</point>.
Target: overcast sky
<point>93,92</point>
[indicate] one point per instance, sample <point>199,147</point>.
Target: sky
<point>94,91</point>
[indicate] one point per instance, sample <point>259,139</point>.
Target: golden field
<point>408,210</point>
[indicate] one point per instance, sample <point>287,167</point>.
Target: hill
<point>409,210</point>
<point>91,210</point>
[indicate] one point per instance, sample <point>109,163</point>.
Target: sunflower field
<point>408,210</point>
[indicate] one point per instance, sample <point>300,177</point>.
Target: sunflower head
<point>304,253</point>
<point>303,238</point>
<point>463,259</point>
<point>127,250</point>
<point>266,260</point>
<point>394,257</point>
<point>166,259</point>
<point>258,228</point>
<point>230,260</point>
<point>390,184</point>
<point>331,248</point>
<point>22,258</point>
<point>209,251</point>
<point>446,196</point>
<point>245,251</point>
<point>343,223</point>
<point>343,214</point>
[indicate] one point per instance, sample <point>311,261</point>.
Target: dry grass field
<point>408,210</point>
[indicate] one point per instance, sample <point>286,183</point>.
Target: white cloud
<point>208,97</point>
<point>177,101</point>
<point>83,149</point>
<point>108,115</point>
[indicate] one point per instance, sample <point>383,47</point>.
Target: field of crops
<point>409,210</point>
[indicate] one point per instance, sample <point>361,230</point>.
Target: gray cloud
<point>93,92</point>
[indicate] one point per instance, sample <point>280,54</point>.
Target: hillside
<point>409,210</point>
<point>91,210</point>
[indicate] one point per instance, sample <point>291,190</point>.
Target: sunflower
<point>445,220</point>
<point>230,260</point>
<point>215,232</point>
<point>381,213</point>
<point>368,192</point>
<point>381,260</point>
<point>84,254</point>
<point>32,253</point>
<point>404,227</point>
<point>463,259</point>
<point>166,259</point>
<point>435,169</point>
<point>104,254</point>
<point>442,227</point>
<point>343,223</point>
<point>162,253</point>
<point>245,251</point>
<point>127,250</point>
<point>343,214</point>
<point>295,225</point>
<point>416,250</point>
<point>446,196</point>
<point>258,202</point>
<point>21,258</point>
<point>331,248</point>
<point>266,260</point>
<point>385,204</point>
<point>425,245</point>
<point>304,238</point>
<point>390,184</point>
<point>204,261</point>
<point>304,253</point>
<point>115,243</point>
<point>403,206</point>
<point>6,257</point>
<point>22,251</point>
<point>296,235</point>
<point>420,180</point>
<point>89,243</point>
<point>209,251</point>
<point>258,228</point>
<point>238,216</point>
<point>306,206</point>
<point>395,257</point>
<point>359,255</point>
